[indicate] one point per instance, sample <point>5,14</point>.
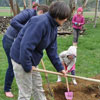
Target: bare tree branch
<point>72,4</point>
<point>14,6</point>
<point>84,3</point>
<point>96,12</point>
<point>24,1</point>
<point>11,5</point>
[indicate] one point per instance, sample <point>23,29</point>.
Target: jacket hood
<point>80,9</point>
<point>72,50</point>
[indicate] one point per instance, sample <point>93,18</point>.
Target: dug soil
<point>85,90</point>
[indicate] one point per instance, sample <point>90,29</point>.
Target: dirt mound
<point>85,90</point>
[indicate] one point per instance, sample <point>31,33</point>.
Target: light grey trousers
<point>29,84</point>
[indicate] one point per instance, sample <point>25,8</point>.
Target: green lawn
<point>5,14</point>
<point>5,11</point>
<point>5,8</point>
<point>90,14</point>
<point>88,60</point>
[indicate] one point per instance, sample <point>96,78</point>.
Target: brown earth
<point>4,22</point>
<point>85,90</point>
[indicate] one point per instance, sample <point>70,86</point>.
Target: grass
<point>5,8</point>
<point>5,14</point>
<point>88,60</point>
<point>5,11</point>
<point>90,14</point>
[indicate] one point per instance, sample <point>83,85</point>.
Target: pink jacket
<point>78,19</point>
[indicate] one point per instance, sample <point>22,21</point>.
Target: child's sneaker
<point>59,79</point>
<point>74,81</point>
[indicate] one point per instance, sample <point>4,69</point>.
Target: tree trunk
<point>96,12</point>
<point>18,9</point>
<point>11,5</point>
<point>30,4</point>
<point>84,3</point>
<point>72,4</point>
<point>24,1</point>
<point>14,6</point>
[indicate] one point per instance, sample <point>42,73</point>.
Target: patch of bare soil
<point>85,90</point>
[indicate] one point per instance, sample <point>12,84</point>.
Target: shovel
<point>68,95</point>
<point>46,76</point>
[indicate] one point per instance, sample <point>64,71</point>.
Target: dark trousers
<point>7,43</point>
<point>73,72</point>
<point>76,33</point>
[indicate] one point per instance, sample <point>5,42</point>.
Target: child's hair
<point>43,7</point>
<point>35,5</point>
<point>59,10</point>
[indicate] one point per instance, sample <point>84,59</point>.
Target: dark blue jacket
<point>38,34</point>
<point>18,22</point>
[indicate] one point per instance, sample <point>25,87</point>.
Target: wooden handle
<point>46,76</point>
<point>67,84</point>
<point>42,63</point>
<point>72,76</point>
<point>66,80</point>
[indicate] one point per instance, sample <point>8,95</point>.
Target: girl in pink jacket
<point>78,21</point>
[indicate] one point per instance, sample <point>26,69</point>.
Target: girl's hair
<point>60,10</point>
<point>43,7</point>
<point>35,5</point>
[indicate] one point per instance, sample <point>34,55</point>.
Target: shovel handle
<point>67,83</point>
<point>67,75</point>
<point>42,63</point>
<point>46,76</point>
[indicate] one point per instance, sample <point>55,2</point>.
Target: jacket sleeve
<point>28,44</point>
<point>53,56</point>
<point>73,19</point>
<point>20,20</point>
<point>83,21</point>
<point>71,64</point>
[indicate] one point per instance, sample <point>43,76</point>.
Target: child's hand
<point>33,68</point>
<point>66,71</point>
<point>79,24</point>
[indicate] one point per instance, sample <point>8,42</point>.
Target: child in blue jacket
<point>16,25</point>
<point>38,34</point>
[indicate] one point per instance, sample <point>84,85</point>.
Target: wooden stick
<point>67,84</point>
<point>66,80</point>
<point>46,76</point>
<point>42,63</point>
<point>67,75</point>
